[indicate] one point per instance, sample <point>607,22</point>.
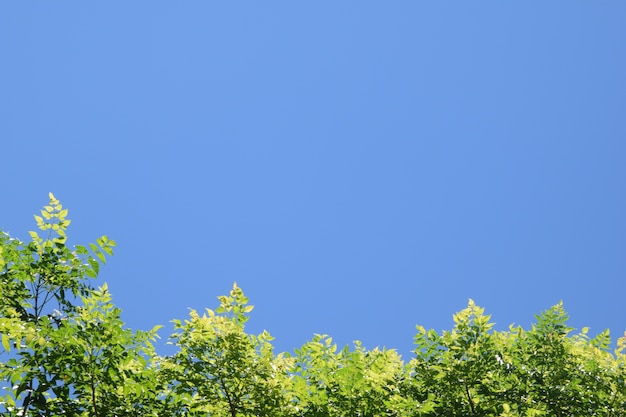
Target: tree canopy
<point>66,351</point>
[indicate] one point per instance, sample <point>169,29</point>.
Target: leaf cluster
<point>66,351</point>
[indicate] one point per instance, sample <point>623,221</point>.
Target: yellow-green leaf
<point>6,343</point>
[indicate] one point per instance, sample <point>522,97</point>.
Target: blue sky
<point>357,167</point>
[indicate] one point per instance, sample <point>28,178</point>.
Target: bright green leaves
<point>42,284</point>
<point>6,343</point>
<point>450,370</point>
<point>220,369</point>
<point>235,305</point>
<point>54,219</point>
<point>472,370</point>
<point>96,254</point>
<point>64,350</point>
<point>110,368</point>
<point>348,382</point>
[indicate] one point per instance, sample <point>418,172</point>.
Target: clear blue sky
<point>358,167</point>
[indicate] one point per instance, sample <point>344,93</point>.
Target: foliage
<point>222,371</point>
<point>474,371</point>
<point>65,351</point>
<point>349,382</point>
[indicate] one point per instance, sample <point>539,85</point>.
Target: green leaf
<point>6,343</point>
<point>95,266</point>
